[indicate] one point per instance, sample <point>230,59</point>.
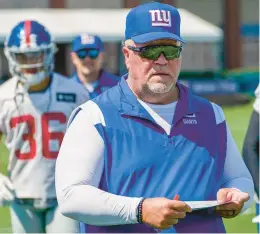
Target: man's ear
<point>126,54</point>
<point>74,58</point>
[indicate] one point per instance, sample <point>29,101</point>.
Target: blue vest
<point>141,160</point>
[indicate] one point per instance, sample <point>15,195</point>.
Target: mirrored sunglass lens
<point>82,54</point>
<point>171,52</point>
<point>93,53</point>
<point>88,53</point>
<point>153,53</point>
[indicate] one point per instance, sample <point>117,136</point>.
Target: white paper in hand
<point>198,205</point>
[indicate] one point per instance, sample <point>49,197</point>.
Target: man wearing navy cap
<point>87,56</point>
<point>136,158</point>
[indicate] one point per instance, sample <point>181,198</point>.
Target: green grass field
<point>237,118</point>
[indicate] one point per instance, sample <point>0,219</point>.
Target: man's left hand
<point>236,200</point>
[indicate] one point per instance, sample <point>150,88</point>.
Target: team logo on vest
<point>190,119</point>
<point>160,18</point>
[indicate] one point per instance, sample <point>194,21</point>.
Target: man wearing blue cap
<point>149,140</point>
<point>87,56</point>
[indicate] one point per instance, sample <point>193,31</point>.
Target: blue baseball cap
<point>153,21</point>
<point>87,41</point>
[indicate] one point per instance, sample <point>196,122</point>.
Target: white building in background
<point>198,56</point>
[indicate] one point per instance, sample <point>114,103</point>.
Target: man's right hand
<point>162,213</point>
<point>6,191</point>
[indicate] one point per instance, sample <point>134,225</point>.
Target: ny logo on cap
<point>160,18</point>
<point>87,39</point>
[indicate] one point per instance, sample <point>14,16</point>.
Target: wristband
<point>139,214</point>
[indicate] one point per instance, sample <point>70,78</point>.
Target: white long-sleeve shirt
<point>80,165</point>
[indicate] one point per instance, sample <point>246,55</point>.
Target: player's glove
<point>256,219</point>
<point>6,191</point>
